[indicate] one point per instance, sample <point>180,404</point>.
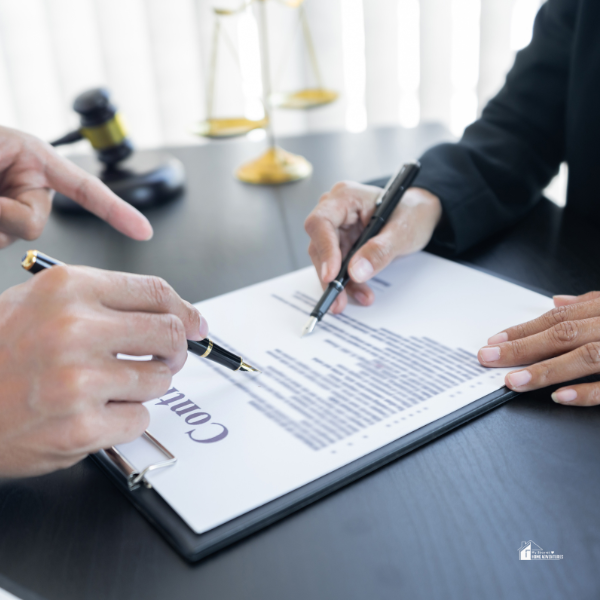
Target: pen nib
<point>246,367</point>
<point>310,326</point>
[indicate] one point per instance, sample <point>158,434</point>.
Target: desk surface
<point>443,522</point>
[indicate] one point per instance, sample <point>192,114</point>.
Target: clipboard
<point>194,547</point>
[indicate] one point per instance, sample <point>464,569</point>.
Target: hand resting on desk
<point>64,393</point>
<point>338,220</point>
<point>563,344</point>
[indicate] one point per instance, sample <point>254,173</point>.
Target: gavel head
<point>102,125</point>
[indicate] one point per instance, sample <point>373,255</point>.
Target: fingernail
<point>151,233</point>
<point>323,271</point>
<point>361,270</point>
<point>564,396</point>
<point>564,298</point>
<point>360,297</point>
<point>519,378</point>
<point>498,338</point>
<point>203,326</point>
<point>489,354</point>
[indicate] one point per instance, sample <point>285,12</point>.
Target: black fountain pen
<point>35,261</point>
<point>387,202</point>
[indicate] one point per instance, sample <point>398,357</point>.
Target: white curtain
<point>393,61</point>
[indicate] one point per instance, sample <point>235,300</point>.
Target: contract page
<point>362,380</point>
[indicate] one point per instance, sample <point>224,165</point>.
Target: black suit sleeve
<point>496,173</point>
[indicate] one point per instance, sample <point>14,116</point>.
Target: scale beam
<point>275,166</point>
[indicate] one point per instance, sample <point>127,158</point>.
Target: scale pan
<point>228,127</point>
<point>303,99</point>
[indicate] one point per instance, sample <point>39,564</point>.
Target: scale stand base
<point>275,166</point>
<point>144,180</point>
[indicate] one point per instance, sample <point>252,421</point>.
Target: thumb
<point>566,300</point>
<point>25,216</point>
<point>409,229</point>
<point>373,257</point>
<point>379,252</point>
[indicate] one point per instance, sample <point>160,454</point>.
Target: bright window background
<point>395,62</point>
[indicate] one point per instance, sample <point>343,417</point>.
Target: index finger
<point>324,248</point>
<point>127,292</point>
<point>560,314</point>
<point>145,293</point>
<point>347,204</point>
<point>562,300</point>
<point>88,191</point>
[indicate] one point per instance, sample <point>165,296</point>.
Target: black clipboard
<point>194,547</point>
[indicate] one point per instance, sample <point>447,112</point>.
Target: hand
<point>30,169</point>
<point>563,344</point>
<point>64,392</point>
<point>340,217</point>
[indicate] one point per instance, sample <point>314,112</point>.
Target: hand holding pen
<point>35,261</point>
<point>64,392</point>
<point>344,213</point>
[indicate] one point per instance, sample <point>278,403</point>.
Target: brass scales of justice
<point>276,165</point>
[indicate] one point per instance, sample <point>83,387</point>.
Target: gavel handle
<point>69,138</point>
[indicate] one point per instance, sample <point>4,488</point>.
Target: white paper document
<point>360,381</point>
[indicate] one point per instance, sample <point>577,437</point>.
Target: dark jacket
<point>547,112</point>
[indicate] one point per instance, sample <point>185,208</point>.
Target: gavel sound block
<point>143,180</point>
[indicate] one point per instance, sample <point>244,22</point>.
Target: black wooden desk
<point>443,522</point>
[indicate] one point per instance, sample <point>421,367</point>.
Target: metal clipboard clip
<point>135,477</point>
